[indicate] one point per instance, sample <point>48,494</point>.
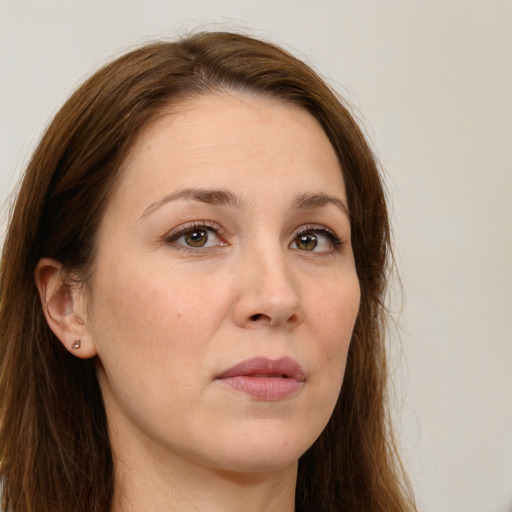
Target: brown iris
<point>307,241</point>
<point>196,238</point>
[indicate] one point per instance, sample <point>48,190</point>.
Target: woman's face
<point>224,291</point>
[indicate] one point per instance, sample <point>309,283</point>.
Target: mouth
<point>265,379</point>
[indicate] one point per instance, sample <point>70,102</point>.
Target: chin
<point>264,451</point>
<point>260,464</point>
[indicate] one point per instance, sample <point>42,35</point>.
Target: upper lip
<point>262,366</point>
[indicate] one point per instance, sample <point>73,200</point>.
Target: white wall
<point>432,81</point>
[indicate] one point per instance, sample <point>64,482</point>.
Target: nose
<point>268,293</point>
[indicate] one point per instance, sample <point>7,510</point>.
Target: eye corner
<point>196,237</point>
<point>319,240</point>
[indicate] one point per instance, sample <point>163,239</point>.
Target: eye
<point>315,239</point>
<point>196,236</point>
<point>306,241</point>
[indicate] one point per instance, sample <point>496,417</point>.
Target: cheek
<point>334,318</point>
<point>147,311</point>
<point>151,328</point>
<point>336,305</point>
<point>333,312</point>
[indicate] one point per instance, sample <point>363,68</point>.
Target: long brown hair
<point>55,453</point>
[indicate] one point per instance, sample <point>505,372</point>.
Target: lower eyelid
<point>216,231</point>
<point>176,239</point>
<point>208,226</point>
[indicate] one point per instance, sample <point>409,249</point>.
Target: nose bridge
<point>270,292</point>
<point>276,277</point>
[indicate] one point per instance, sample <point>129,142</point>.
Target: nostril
<point>294,319</point>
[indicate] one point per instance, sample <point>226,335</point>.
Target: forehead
<point>230,140</point>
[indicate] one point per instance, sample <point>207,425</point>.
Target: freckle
<point>179,315</point>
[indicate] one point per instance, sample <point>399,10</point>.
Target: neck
<point>202,490</point>
<point>165,483</point>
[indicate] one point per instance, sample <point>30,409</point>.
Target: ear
<point>64,307</point>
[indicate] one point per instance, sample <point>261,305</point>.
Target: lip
<point>263,378</point>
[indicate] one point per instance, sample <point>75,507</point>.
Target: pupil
<point>196,238</point>
<point>307,242</point>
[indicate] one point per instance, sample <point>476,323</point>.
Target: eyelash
<point>320,230</point>
<point>205,225</point>
<point>211,226</point>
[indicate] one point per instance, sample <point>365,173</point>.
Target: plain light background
<point>431,84</point>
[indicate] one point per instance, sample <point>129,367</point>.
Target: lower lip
<point>263,388</point>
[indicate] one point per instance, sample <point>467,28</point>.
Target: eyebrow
<point>318,200</point>
<point>222,197</point>
<point>219,197</point>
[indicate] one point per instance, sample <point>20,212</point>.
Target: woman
<point>191,295</point>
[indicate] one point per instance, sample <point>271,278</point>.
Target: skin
<point>164,319</point>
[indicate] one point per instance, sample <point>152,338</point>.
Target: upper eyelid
<point>333,238</point>
<point>316,228</point>
<point>218,230</point>
<point>190,226</point>
<point>313,227</point>
<point>172,238</point>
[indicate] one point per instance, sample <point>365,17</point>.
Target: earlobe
<point>63,304</point>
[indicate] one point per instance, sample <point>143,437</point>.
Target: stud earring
<point>76,344</point>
